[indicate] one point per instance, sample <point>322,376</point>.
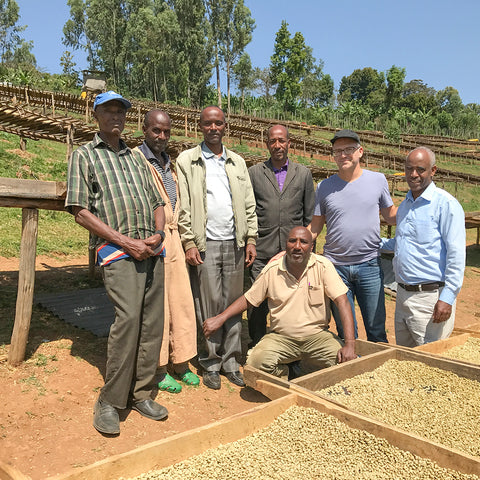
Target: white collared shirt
<point>220,221</point>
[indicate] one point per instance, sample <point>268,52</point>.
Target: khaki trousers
<point>414,318</point>
<point>274,352</point>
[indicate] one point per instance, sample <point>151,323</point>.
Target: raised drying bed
<point>374,438</point>
<point>462,347</point>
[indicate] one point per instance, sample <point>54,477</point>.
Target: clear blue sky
<point>437,41</point>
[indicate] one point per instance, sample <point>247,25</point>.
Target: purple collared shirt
<point>281,175</point>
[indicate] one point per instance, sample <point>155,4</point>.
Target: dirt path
<point>46,416</point>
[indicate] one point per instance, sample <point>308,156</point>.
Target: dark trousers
<point>216,283</point>
<point>136,290</point>
<point>257,316</point>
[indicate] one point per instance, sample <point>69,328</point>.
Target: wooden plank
<point>42,204</point>
<point>26,282</point>
<point>16,187</point>
<point>330,376</point>
<point>473,328</point>
<point>443,456</point>
<point>182,446</point>
<point>441,345</point>
<point>179,447</point>
<point>7,472</point>
<point>253,375</point>
<point>364,347</point>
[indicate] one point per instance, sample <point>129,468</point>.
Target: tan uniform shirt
<point>298,308</point>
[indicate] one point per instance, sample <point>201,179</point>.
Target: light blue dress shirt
<point>429,241</point>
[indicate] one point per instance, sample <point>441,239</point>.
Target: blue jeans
<point>365,283</point>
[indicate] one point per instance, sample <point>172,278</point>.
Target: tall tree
<point>418,96</point>
<point>278,62</point>
<point>216,24</point>
<point>263,82</point>
<point>365,85</point>
<point>194,48</point>
<point>317,87</point>
<point>291,63</point>
<point>395,80</point>
<point>74,31</point>
<point>13,48</point>
<point>234,34</point>
<point>449,100</point>
<point>245,76</point>
<point>150,58</point>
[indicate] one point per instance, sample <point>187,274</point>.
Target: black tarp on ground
<point>89,309</point>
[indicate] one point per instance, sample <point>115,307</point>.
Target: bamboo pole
<point>26,282</point>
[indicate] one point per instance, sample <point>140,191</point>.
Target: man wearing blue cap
<point>111,194</point>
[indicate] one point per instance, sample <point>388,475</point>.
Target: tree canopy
<point>166,50</point>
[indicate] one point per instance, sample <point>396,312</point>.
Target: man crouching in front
<point>297,286</point>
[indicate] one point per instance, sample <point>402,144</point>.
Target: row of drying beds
<point>394,412</point>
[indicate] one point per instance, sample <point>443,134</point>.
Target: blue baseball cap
<point>108,97</point>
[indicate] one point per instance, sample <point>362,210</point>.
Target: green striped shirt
<point>116,187</point>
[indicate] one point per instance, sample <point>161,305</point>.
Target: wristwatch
<point>161,233</point>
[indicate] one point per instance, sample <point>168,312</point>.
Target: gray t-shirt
<point>352,216</point>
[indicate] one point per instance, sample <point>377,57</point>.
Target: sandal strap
<point>169,384</point>
<point>190,378</point>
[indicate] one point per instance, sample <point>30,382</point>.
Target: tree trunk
<point>228,90</point>
<point>217,67</point>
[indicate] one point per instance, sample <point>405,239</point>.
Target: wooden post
<point>186,126</point>
<point>87,115</point>
<point>26,282</point>
<point>91,262</point>
<point>53,105</point>
<point>69,141</point>
<point>139,124</point>
<point>23,144</point>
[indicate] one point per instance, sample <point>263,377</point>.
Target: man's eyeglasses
<point>347,151</point>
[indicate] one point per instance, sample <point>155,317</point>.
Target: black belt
<point>422,287</point>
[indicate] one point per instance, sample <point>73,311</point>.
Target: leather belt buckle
<point>422,287</point>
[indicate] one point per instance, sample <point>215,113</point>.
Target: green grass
<point>43,159</point>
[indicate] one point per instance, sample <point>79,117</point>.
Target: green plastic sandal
<point>169,384</point>
<point>189,378</point>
